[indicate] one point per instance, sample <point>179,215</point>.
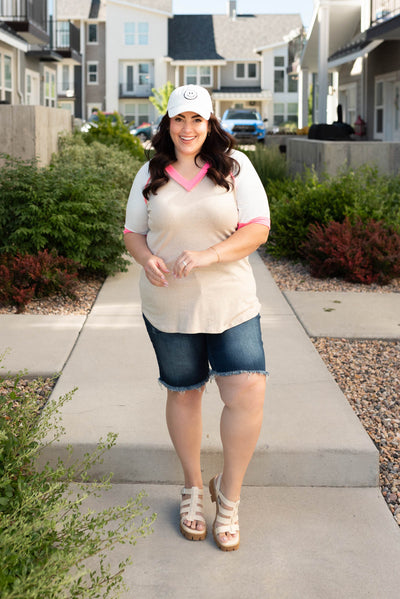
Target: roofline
<point>141,7</point>
<point>181,62</point>
<point>13,40</point>
<point>354,55</point>
<point>271,46</point>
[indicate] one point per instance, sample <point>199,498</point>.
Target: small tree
<point>161,96</point>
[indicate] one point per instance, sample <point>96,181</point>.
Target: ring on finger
<point>184,263</point>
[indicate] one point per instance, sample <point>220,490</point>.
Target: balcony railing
<point>382,10</point>
<point>135,90</point>
<point>24,11</point>
<point>64,36</point>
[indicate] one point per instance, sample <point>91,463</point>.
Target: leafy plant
<point>112,131</point>
<point>46,535</point>
<point>76,206</point>
<point>24,277</point>
<point>363,252</point>
<point>160,97</point>
<point>298,203</point>
<point>269,163</point>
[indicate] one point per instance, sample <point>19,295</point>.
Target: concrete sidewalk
<point>313,521</point>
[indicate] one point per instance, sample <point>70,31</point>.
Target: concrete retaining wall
<point>331,156</point>
<point>32,131</point>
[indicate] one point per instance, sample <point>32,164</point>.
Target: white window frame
<point>49,89</point>
<point>282,69</point>
<point>143,33</point>
<point>96,42</point>
<point>379,106</point>
<point>246,75</point>
<point>4,89</point>
<point>139,112</point>
<point>199,77</point>
<point>130,34</point>
<point>89,73</point>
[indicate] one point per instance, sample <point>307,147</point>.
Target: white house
<point>136,47</point>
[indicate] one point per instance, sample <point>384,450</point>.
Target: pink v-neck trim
<point>188,185</point>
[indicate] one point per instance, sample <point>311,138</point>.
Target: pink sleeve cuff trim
<point>127,231</point>
<point>261,220</point>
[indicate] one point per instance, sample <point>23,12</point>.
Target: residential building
<point>241,59</point>
<point>132,46</point>
<point>82,87</point>
<point>31,46</point>
<point>353,54</point>
<point>136,50</point>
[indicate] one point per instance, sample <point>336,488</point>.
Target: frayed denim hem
<point>183,389</point>
<point>213,373</point>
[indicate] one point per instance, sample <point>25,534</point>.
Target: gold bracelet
<point>218,256</point>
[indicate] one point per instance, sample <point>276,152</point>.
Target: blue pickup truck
<point>245,125</point>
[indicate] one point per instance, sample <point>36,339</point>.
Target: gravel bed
<point>86,291</point>
<point>291,276</point>
<point>367,372</point>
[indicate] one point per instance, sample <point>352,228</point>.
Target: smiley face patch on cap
<point>190,94</point>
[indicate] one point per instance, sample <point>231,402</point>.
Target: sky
<point>304,7</point>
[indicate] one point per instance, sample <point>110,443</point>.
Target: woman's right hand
<point>156,270</point>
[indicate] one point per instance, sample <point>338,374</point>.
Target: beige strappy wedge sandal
<point>226,517</point>
<point>192,509</point>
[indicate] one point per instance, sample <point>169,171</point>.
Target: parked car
<point>146,131</point>
<point>143,131</point>
<point>245,125</point>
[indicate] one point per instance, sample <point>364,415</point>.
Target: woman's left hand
<point>187,261</point>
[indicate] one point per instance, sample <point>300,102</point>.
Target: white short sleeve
<point>136,209</point>
<point>251,197</point>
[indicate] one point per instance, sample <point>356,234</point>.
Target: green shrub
<point>23,278</point>
<point>269,163</point>
<point>360,252</point>
<point>46,535</point>
<point>298,203</point>
<point>76,206</point>
<point>111,131</point>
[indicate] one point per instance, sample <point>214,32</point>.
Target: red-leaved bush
<point>24,277</point>
<point>360,252</point>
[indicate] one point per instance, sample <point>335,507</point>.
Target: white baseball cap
<point>190,98</point>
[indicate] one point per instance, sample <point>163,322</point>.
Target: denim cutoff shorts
<point>188,360</point>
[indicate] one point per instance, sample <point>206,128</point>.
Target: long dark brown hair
<point>215,150</point>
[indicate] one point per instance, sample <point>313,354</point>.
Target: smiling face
<point>188,132</point>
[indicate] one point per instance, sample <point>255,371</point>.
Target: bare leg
<point>184,423</point>
<point>241,419</point>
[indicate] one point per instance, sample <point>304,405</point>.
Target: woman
<point>195,213</point>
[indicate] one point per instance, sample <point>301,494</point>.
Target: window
<point>246,70</point>
<point>6,78</point>
<point>65,78</point>
<point>143,34</point>
<point>292,83</point>
<point>198,76</point>
<point>129,29</point>
<point>29,89</point>
<point>92,33</point>
<point>92,73</point>
<point>144,73</point>
<point>279,74</point>
<point>136,113</point>
<point>379,108</point>
<point>279,113</point>
<point>49,88</point>
<point>63,40</point>
<point>292,112</point>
